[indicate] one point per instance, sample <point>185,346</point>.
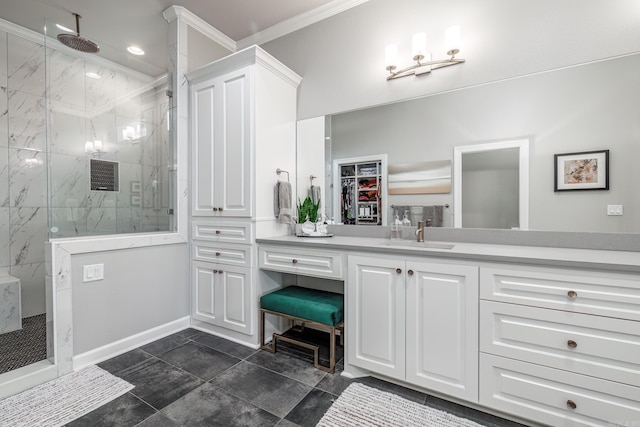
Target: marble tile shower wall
<point>34,78</point>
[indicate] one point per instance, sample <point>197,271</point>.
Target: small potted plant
<point>307,216</point>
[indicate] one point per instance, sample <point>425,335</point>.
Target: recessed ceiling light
<point>93,75</point>
<point>63,28</point>
<point>135,50</point>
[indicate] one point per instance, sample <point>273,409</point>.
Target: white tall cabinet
<point>243,121</point>
<point>415,321</point>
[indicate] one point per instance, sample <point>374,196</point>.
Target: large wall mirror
<point>584,108</point>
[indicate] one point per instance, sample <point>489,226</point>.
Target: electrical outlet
<point>93,272</point>
<point>614,210</point>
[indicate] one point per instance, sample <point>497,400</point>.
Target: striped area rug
<point>364,406</point>
<point>62,400</point>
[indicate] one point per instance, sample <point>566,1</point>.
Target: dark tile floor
<point>195,379</point>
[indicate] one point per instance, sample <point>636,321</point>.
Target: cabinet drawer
<point>591,345</point>
<point>604,294</point>
<point>555,397</point>
<point>222,253</point>
<point>219,231</point>
<point>318,263</point>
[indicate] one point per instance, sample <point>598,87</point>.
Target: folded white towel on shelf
<point>282,202</point>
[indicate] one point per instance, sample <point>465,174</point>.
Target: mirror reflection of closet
<point>361,198</point>
<point>491,185</point>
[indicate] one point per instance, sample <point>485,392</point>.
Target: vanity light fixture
<point>424,64</point>
<point>135,50</point>
<point>93,147</point>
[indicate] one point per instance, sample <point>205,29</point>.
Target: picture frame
<point>587,170</point>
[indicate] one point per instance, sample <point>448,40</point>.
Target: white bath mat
<point>364,406</point>
<point>62,400</point>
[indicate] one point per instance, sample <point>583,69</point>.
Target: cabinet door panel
<point>236,298</point>
<point>204,298</point>
<point>203,109</point>
<point>233,146</point>
<point>442,331</point>
<point>375,323</point>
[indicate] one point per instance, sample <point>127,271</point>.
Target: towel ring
<point>281,171</point>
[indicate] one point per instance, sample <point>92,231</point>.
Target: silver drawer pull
<point>220,209</point>
<point>572,295</point>
<point>215,271</point>
<point>571,404</point>
<point>218,254</point>
<point>410,272</point>
<point>295,261</point>
<point>398,270</point>
<point>572,344</point>
<point>220,271</point>
<point>218,231</point>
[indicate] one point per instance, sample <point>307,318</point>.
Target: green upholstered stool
<point>308,306</point>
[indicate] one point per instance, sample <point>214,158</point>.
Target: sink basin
<point>414,244</point>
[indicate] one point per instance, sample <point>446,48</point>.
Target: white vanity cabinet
<point>414,320</point>
<point>243,128</point>
<point>560,346</point>
<point>220,140</point>
<point>223,295</point>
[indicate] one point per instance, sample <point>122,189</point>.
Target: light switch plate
<point>92,272</point>
<point>614,210</point>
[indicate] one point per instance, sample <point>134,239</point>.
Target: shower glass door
<point>109,145</point>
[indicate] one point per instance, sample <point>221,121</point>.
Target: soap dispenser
<point>406,222</point>
<point>396,227</point>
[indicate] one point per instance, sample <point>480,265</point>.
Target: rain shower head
<point>76,41</point>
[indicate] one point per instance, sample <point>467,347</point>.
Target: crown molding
<point>17,30</point>
<point>178,12</point>
<point>297,22</point>
<point>276,67</point>
<point>247,56</point>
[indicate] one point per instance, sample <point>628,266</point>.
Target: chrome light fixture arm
<point>422,67</point>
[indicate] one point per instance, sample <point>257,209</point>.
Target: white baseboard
<point>108,351</point>
<point>246,340</point>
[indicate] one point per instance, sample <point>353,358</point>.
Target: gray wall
<point>341,59</point>
<point>143,288</point>
<point>585,108</point>
<point>491,189</point>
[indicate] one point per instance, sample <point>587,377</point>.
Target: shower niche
<point>104,175</point>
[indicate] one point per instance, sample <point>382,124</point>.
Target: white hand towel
<point>282,202</point>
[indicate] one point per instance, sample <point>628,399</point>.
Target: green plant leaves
<point>307,210</point>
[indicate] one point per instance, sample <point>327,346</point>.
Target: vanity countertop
<point>548,256</point>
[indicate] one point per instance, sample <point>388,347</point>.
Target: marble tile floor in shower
<point>25,346</point>
<point>196,379</point>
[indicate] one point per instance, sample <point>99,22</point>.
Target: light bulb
<point>390,56</point>
<point>97,145</point>
<point>419,46</point>
<point>453,40</point>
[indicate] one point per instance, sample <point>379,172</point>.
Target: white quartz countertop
<point>549,256</point>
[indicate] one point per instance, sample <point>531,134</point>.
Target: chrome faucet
<point>420,232</point>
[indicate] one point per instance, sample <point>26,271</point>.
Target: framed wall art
<point>587,170</point>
